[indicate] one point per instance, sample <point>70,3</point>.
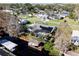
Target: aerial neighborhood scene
<point>36,29</point>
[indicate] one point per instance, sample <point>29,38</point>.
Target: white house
<point>75,37</point>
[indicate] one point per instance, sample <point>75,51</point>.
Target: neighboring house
<point>33,27</point>
<point>8,44</point>
<point>42,16</point>
<point>75,37</point>
<point>41,30</point>
<point>63,14</point>
<point>53,15</point>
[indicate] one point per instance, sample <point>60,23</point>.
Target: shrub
<point>52,50</point>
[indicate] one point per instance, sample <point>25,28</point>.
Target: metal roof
<point>8,44</point>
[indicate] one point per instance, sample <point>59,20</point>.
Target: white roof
<point>75,33</point>
<point>8,44</point>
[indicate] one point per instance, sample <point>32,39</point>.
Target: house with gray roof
<point>41,30</point>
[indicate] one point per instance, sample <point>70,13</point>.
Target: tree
<point>54,52</point>
<point>72,15</point>
<point>49,46</point>
<point>23,27</point>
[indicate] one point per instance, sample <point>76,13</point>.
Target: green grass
<point>73,24</point>
<point>54,22</point>
<point>50,22</point>
<point>34,19</point>
<point>23,16</point>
